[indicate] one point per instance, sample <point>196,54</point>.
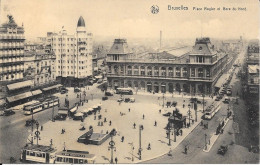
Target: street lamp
<point>37,132</point>
<point>206,142</point>
<point>140,144</point>
<point>163,99</point>
<point>111,146</point>
<point>189,113</point>
<point>32,126</point>
<point>168,128</point>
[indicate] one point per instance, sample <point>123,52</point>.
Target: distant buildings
<point>73,55</point>
<point>252,63</point>
<point>181,69</point>
<point>233,45</point>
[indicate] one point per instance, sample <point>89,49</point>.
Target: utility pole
<point>32,126</point>
<point>37,132</point>
<point>140,144</point>
<point>112,146</point>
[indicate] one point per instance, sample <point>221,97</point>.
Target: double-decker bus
<point>48,103</point>
<point>74,157</point>
<point>124,91</point>
<point>212,110</point>
<point>38,154</point>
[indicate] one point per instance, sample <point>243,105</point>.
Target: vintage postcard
<point>126,82</point>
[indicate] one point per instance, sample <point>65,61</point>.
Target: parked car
<point>30,122</point>
<point>167,114</point>
<point>60,117</point>
<point>104,98</point>
<point>76,90</point>
<point>8,112</point>
<point>127,100</point>
<point>222,150</point>
<point>108,94</point>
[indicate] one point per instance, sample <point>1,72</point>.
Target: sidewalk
<point>155,135</point>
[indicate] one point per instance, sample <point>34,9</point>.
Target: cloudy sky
<point>124,18</point>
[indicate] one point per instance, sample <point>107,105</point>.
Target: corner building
<point>73,55</point>
<point>194,72</point>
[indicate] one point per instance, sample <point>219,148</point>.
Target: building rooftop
<point>203,46</point>
<point>120,46</point>
<point>81,22</point>
<point>253,69</point>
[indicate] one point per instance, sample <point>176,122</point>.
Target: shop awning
<point>52,87</point>
<point>19,97</point>
<point>2,102</point>
<point>36,92</point>
<point>19,85</point>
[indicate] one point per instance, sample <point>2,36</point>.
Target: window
<point>70,160</point>
<point>109,69</point>
<point>129,70</point>
<point>192,74</point>
<point>178,72</point>
<point>116,69</point>
<point>136,70</point>
<point>170,70</point>
<point>200,59</point>
<point>207,72</point>
<point>149,71</point>
<point>184,72</point>
<point>142,70</point>
<point>163,73</point>
<point>156,71</point>
<point>200,72</point>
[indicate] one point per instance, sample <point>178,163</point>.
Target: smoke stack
<point>160,39</point>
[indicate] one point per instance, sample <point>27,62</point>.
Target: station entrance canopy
<point>19,85</point>
<point>19,97</point>
<point>52,87</point>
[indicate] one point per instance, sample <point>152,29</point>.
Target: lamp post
<point>111,146</point>
<point>206,147</point>
<point>163,100</point>
<point>189,113</point>
<point>168,128</point>
<point>140,142</point>
<point>37,132</point>
<point>32,126</point>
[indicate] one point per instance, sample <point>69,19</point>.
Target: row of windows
<point>72,67</point>
<point>35,154</point>
<point>155,71</point>
<point>69,72</point>
<point>71,160</point>
<point>71,61</point>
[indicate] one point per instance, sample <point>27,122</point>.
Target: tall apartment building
<point>11,55</point>
<point>73,55</point>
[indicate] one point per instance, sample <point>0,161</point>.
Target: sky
<point>133,18</point>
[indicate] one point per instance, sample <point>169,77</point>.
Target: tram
<point>48,103</point>
<point>74,157</point>
<point>38,154</point>
<point>212,110</point>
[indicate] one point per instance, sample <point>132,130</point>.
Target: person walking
<point>134,125</point>
<point>116,160</point>
<point>155,123</point>
<point>129,110</point>
<point>143,116</point>
<point>110,123</point>
<point>41,128</point>
<point>149,146</point>
<point>183,105</point>
<point>186,150</point>
<point>122,139</point>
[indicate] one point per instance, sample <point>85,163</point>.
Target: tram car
<point>74,157</point>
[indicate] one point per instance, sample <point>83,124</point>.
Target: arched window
<point>136,70</point>
<point>178,72</point>
<point>142,70</point>
<point>129,70</point>
<point>200,72</point>
<point>184,72</point>
<point>116,69</point>
<point>149,71</point>
<point>163,73</point>
<point>156,71</point>
<point>170,70</point>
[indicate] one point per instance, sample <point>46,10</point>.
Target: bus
<point>38,154</point>
<point>74,157</point>
<point>212,110</point>
<point>124,91</point>
<point>48,103</point>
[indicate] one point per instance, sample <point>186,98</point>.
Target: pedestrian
<point>105,119</point>
<point>116,160</point>
<point>143,116</point>
<point>122,139</point>
<point>181,132</point>
<point>110,122</point>
<point>155,123</point>
<point>184,101</point>
<point>160,111</point>
<point>134,125</point>
<point>192,121</point>
<point>149,146</point>
<point>186,150</point>
<point>41,128</point>
<point>95,117</point>
<point>107,132</point>
<point>129,109</point>
<point>183,105</point>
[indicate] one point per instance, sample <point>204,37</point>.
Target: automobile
<point>30,122</point>
<point>167,114</point>
<point>132,100</point>
<point>104,98</point>
<point>76,90</point>
<point>108,94</point>
<point>63,91</point>
<point>79,116</point>
<point>8,112</point>
<point>120,100</point>
<point>127,100</point>
<point>223,149</point>
<point>60,117</point>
